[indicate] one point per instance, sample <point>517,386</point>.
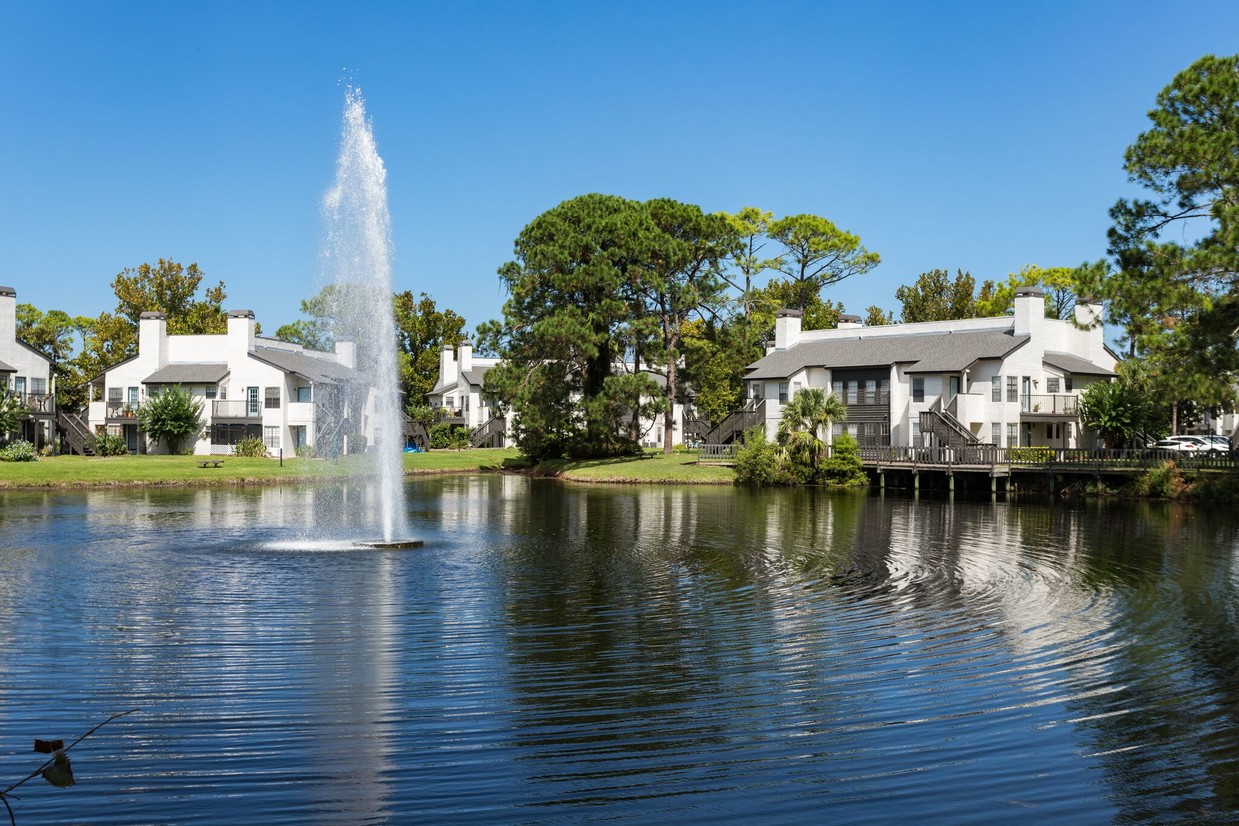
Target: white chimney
<point>346,353</point>
<point>447,365</point>
<point>1029,309</point>
<point>787,329</point>
<point>153,339</point>
<point>465,355</point>
<point>1088,313</point>
<point>8,315</point>
<point>240,334</point>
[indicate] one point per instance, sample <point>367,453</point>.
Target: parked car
<point>1195,445</point>
<point>1218,443</point>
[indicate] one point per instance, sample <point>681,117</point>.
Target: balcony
<point>233,409</point>
<point>39,404</point>
<point>115,411</point>
<point>1055,405</point>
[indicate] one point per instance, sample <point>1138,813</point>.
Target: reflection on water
<point>580,654</point>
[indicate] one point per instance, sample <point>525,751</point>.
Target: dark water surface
<point>635,654</point>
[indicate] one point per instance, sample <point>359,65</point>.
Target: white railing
<point>233,409</point>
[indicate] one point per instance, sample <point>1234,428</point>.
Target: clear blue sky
<point>981,136</point>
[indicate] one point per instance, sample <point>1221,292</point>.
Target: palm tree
<point>806,417</point>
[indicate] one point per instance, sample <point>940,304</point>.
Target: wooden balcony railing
<point>1055,404</point>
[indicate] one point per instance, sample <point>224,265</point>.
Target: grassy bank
<point>651,468</point>
<point>124,471</point>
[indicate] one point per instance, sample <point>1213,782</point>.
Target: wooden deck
<point>1004,461</point>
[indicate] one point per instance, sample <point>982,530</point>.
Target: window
<point>1067,382</point>
<point>918,389</point>
<point>1013,434</point>
<point>1013,388</point>
<point>916,434</point>
<point>133,397</point>
<point>782,392</point>
<point>115,394</point>
<point>271,398</point>
<point>871,391</point>
<point>271,437</point>
<point>995,433</point>
<point>995,390</point>
<point>853,393</point>
<point>19,385</point>
<point>795,388</point>
<point>304,394</point>
<point>1051,384</point>
<point>298,435</point>
<point>38,386</point>
<point>251,406</point>
<point>211,391</point>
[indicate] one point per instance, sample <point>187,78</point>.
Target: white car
<point>1183,444</point>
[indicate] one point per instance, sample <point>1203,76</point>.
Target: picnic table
<point>210,462</point>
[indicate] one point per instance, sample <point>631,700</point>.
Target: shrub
<point>306,452</point>
<point>1032,455</point>
<point>357,443</point>
<point>759,462</point>
<point>110,444</point>
<point>844,466</point>
<point>445,435</point>
<point>251,447</point>
<point>1164,481</point>
<point>19,451</point>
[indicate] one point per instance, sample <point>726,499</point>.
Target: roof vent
<point>1032,292</point>
<point>9,291</point>
<point>789,313</point>
<point>240,313</point>
<point>151,314</point>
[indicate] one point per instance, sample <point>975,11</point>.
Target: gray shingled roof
<point>4,368</point>
<point>1074,364</point>
<point>925,353</point>
<point>321,369</point>
<point>188,373</point>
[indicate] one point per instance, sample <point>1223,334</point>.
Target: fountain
<point>358,252</point>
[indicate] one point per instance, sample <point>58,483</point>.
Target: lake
<point>628,654</point>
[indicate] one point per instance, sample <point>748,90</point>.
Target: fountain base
<point>392,545</point>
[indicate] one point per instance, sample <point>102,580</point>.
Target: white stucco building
<point>26,372</point>
<point>251,387</point>
<point>1010,381</point>
<point>459,396</point>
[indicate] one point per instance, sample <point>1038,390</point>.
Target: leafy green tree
<point>11,412</point>
<point>715,355</point>
<point>55,334</point>
<point>935,297</point>
<point>569,311</point>
<point>875,316</point>
<point>679,278</point>
<point>422,329</point>
<point>817,254</point>
<point>172,289</point>
<point>1178,298</point>
<point>1058,283</point>
<point>746,262</point>
<point>1109,409</point>
<point>173,416</point>
<point>166,287</point>
<point>806,417</point>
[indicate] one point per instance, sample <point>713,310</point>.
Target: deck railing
<point>233,409</point>
<point>1081,459</point>
<point>707,454</point>
<point>1054,404</point>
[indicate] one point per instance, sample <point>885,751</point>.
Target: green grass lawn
<point>97,471</point>
<point>652,467</point>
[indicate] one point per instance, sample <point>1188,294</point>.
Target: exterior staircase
<point>947,430</point>
<point>732,428</point>
<point>76,433</point>
<point>490,433</point>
